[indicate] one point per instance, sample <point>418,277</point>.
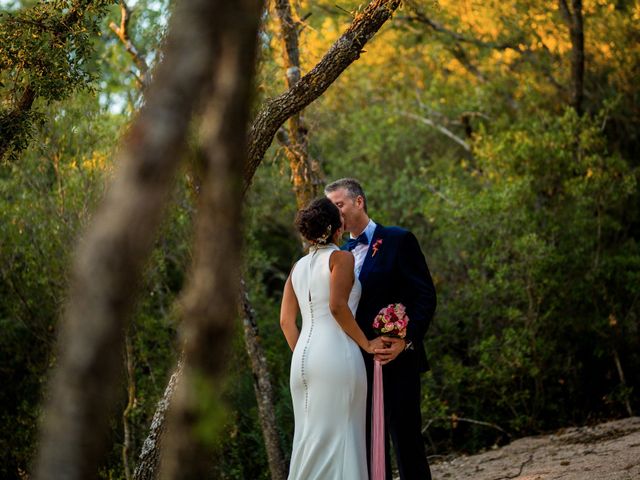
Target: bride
<point>328,379</point>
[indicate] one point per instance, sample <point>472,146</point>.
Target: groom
<point>391,269</point>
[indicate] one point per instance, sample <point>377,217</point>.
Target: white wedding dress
<point>328,381</point>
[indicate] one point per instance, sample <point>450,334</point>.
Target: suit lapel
<point>370,259</point>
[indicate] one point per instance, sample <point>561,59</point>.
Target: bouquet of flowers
<point>391,321</point>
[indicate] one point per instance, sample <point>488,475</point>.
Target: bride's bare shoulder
<point>342,258</point>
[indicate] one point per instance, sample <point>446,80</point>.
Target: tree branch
<point>122,33</point>
<point>149,461</point>
<point>306,174</point>
<point>438,27</point>
<point>445,131</point>
<point>342,53</point>
<point>564,11</point>
<point>516,475</point>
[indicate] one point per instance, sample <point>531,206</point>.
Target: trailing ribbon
<point>378,470</point>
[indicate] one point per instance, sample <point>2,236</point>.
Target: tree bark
<point>111,256</point>
<point>306,174</point>
<point>574,19</point>
<point>210,298</point>
<point>149,462</point>
<point>131,403</point>
<point>122,32</point>
<point>13,121</point>
<point>264,391</point>
<point>342,53</point>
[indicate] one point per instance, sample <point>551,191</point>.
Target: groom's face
<point>352,209</point>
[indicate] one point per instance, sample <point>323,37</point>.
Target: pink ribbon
<point>378,470</point>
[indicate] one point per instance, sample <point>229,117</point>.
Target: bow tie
<point>353,242</point>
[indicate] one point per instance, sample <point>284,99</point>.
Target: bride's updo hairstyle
<point>318,221</point>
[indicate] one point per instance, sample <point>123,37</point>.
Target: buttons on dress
<point>305,353</point>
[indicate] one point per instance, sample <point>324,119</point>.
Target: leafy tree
<point>48,53</point>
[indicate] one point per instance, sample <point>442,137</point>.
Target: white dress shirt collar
<point>368,230</point>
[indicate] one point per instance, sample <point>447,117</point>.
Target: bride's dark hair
<point>318,221</point>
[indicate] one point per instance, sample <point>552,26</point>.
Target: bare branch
<point>463,58</point>
<point>438,27</point>
<point>516,475</point>
<point>440,128</point>
<point>122,33</point>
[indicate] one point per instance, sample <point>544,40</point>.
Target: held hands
<point>392,347</point>
<point>375,345</point>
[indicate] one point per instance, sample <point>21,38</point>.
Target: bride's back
<point>311,279</point>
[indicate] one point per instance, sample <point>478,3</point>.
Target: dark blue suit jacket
<point>397,273</point>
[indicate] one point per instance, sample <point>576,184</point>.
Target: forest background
<point>467,122</point>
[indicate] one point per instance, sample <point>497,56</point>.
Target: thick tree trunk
<point>111,256</point>
<point>343,52</point>
<point>210,299</point>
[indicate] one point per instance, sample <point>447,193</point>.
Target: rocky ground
<point>609,451</point>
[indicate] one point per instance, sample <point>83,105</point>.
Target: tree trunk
<point>306,174</point>
<point>264,391</point>
<point>149,462</point>
<point>113,251</point>
<point>343,52</point>
<point>210,298</point>
<point>14,121</point>
<point>131,402</point>
<point>577,57</point>
<point>573,18</point>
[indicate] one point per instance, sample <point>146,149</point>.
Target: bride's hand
<point>374,344</point>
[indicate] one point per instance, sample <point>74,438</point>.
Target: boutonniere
<point>376,246</point>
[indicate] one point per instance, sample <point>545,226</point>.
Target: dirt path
<point>609,451</point>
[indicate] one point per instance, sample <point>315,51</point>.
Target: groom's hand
<point>394,347</point>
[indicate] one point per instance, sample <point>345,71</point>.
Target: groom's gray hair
<point>351,185</point>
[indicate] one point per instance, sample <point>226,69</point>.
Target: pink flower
<point>392,320</point>
<point>376,246</point>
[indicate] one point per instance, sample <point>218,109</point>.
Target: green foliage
<point>46,199</point>
<point>48,53</point>
<point>531,231</point>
